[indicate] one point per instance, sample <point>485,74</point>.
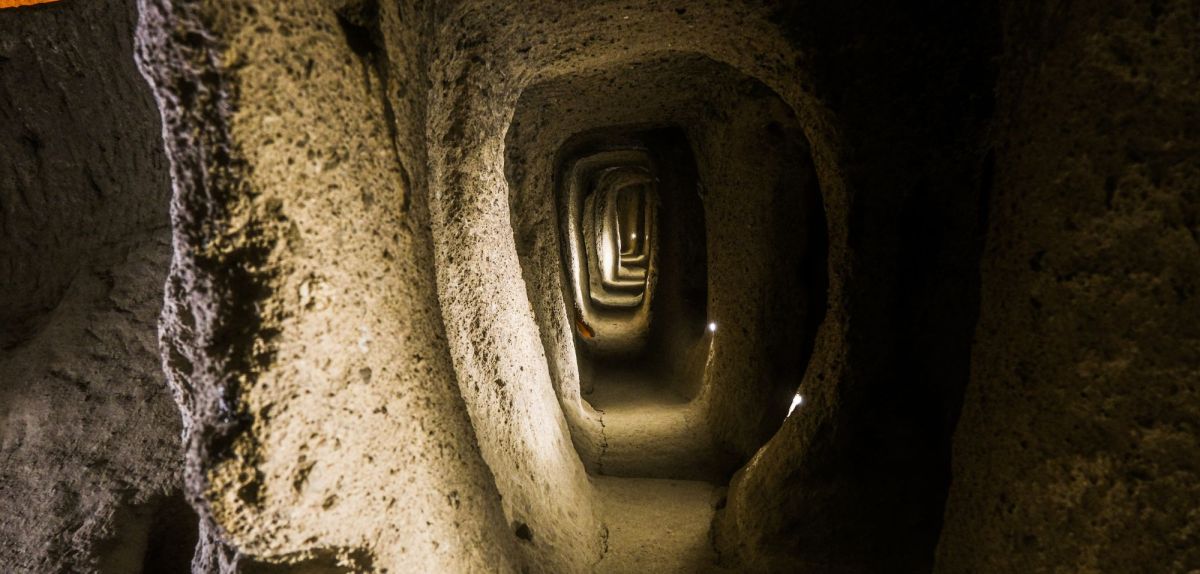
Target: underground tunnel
<point>329,286</point>
<point>726,170</point>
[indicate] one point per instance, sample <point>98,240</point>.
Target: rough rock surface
<point>274,290</point>
<point>761,213</point>
<point>487,55</point>
<point>1078,445</point>
<point>364,325</point>
<point>90,454</point>
<point>303,332</point>
<point>855,479</point>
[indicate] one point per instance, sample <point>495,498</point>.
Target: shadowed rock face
<point>1084,402</point>
<point>90,456</point>
<point>395,307</point>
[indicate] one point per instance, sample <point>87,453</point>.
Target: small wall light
<point>712,327</point>
<point>796,400</point>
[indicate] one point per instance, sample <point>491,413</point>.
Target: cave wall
<point>487,55</point>
<point>303,333</point>
<point>1077,448</point>
<point>90,454</point>
<point>749,148</point>
<point>367,379</point>
<point>854,480</point>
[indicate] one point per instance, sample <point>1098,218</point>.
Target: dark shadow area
<point>158,537</point>
<point>319,562</point>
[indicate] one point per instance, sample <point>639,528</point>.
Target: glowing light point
<point>796,400</point>
<point>712,327</point>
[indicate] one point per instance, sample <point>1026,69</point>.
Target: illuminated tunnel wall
<point>455,286</point>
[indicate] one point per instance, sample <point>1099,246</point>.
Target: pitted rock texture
<point>303,331</point>
<point>760,214</point>
<point>90,455</point>
<point>1078,443</point>
<point>359,301</point>
<point>83,161</point>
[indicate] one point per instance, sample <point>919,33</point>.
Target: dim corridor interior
<point>656,492</point>
<point>334,286</point>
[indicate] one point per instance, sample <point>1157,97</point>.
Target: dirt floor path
<point>657,525</point>
<point>657,486</point>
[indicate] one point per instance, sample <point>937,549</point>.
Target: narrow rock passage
<point>650,430</point>
<point>657,484</point>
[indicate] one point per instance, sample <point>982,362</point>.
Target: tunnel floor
<point>657,525</point>
<point>650,431</point>
<point>656,483</point>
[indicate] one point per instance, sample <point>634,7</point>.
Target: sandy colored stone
<point>305,338</point>
<point>366,323</point>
